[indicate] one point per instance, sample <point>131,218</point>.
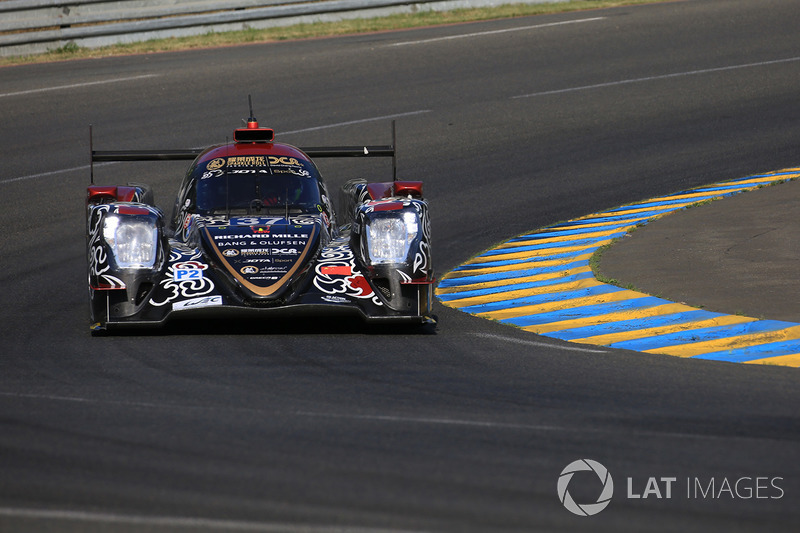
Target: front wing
<point>334,285</point>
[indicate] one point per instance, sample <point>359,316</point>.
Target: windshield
<point>257,184</point>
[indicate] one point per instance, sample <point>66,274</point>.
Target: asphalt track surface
<point>325,426</point>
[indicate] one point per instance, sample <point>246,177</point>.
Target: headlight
<point>389,238</point>
<point>133,241</point>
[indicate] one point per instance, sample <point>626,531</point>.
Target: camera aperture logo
<point>585,509</point>
<point>586,486</point>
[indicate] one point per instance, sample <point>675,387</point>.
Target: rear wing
<point>191,153</point>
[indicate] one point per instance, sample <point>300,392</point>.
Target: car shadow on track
<point>276,327</point>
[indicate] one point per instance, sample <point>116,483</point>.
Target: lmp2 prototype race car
<point>253,232</point>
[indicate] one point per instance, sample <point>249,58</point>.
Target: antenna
<point>251,121</point>
<point>394,152</point>
<point>227,185</point>
<point>91,157</point>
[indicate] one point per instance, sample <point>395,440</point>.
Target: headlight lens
<point>389,238</point>
<point>133,241</point>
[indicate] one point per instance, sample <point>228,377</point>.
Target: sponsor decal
<point>188,270</point>
<point>216,164</point>
<point>255,241</point>
<point>302,237</point>
<point>253,161</point>
<point>283,160</point>
<point>255,251</point>
<point>264,278</point>
<point>183,274</point>
<point>335,299</point>
<point>247,161</point>
<point>197,303</point>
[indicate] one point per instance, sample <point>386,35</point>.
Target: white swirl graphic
<point>188,288</point>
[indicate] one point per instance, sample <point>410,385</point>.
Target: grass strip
<point>72,51</point>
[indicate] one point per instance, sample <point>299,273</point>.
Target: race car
<point>253,233</point>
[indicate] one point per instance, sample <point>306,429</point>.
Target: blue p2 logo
<point>184,274</point>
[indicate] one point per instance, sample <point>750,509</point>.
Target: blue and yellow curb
<point>542,282</point>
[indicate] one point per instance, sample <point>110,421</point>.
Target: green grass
<point>594,264</point>
<point>72,51</point>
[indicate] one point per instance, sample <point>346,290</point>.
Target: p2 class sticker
<point>197,303</point>
<point>188,270</point>
<point>170,290</point>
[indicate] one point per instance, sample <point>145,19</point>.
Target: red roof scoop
<point>252,133</point>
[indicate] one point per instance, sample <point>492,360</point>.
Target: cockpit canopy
<point>256,184</point>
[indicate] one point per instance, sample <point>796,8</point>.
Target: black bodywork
<point>253,232</point>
